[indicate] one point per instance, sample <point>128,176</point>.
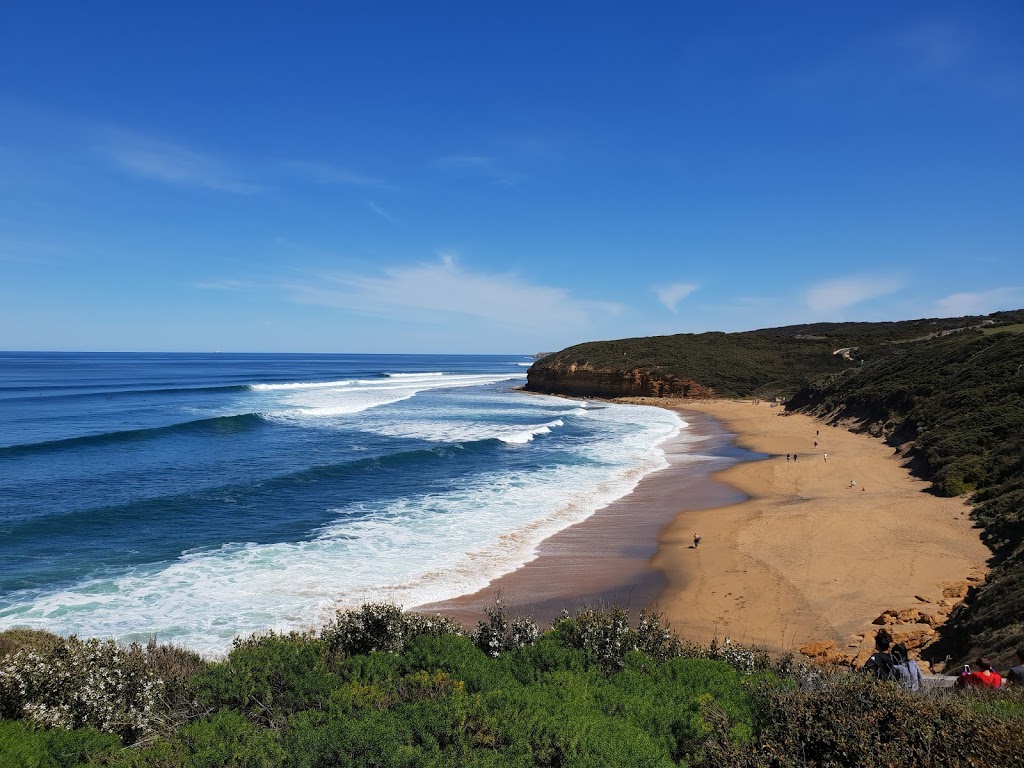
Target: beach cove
<point>791,552</point>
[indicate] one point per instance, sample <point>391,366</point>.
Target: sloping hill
<point>762,363</point>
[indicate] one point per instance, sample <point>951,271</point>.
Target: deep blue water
<point>199,496</point>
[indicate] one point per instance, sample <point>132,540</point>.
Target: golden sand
<point>810,556</point>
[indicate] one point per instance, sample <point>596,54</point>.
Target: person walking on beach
<point>826,457</point>
<point>787,458</point>
<point>794,457</point>
<point>696,540</point>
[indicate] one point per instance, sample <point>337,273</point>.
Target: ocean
<point>197,497</point>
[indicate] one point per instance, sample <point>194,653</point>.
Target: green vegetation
<point>378,687</point>
<point>733,364</point>
<point>766,362</point>
<point>1018,328</point>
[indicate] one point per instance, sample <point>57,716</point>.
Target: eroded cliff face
<point>584,381</point>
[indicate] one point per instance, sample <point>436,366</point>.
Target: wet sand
<point>606,559</point>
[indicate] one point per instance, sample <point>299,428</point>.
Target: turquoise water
<point>198,497</point>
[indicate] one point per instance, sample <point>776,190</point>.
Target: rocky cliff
<point>586,381</point>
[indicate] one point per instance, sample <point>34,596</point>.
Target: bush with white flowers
<point>498,634</point>
<point>82,683</point>
<point>381,627</point>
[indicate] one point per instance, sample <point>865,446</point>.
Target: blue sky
<point>500,177</point>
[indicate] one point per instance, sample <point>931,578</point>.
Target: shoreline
<point>791,553</point>
<point>606,559</point>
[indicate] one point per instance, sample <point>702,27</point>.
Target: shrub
<point>849,720</point>
<point>24,639</point>
<point>603,634</point>
<point>79,684</point>
<point>223,739</point>
<point>178,668</point>
<point>606,636</point>
<point>22,745</point>
<point>498,634</point>
<point>380,627</point>
<point>738,656</point>
<point>269,678</point>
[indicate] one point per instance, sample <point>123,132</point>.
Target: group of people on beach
<point>824,457</point>
<point>892,662</point>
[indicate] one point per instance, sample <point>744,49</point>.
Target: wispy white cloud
<point>443,289</point>
<point>325,173</point>
<point>842,292</point>
<point>170,163</point>
<point>481,166</point>
<point>380,211</point>
<point>671,295</point>
<point>224,285</point>
<point>980,302</point>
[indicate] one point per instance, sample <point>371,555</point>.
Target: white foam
<point>411,551</point>
<point>301,385</point>
<point>330,399</point>
<point>447,431</point>
<point>524,436</point>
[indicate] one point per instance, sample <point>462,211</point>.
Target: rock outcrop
<point>585,381</point>
<point>913,627</point>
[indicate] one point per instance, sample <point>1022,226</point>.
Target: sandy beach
<point>791,551</point>
<point>810,556</point>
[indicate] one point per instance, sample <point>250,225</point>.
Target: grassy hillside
<point>732,364</point>
<point>762,363</point>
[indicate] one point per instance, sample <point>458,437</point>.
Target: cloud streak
<point>980,302</point>
<point>224,285</point>
<point>380,211</point>
<point>843,292</point>
<point>324,173</point>
<point>480,166</point>
<point>171,163</point>
<point>442,289</point>
<point>671,295</point>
